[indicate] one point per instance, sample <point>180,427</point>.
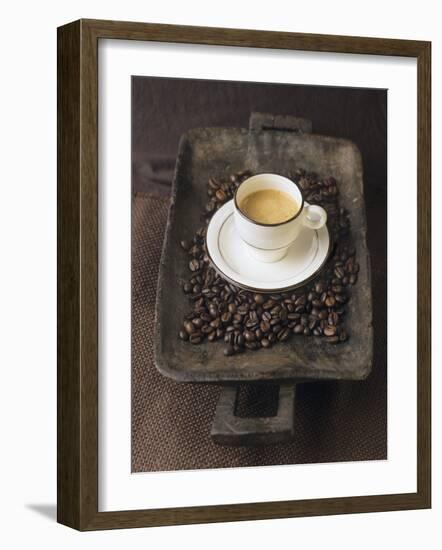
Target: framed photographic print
<point>243,274</point>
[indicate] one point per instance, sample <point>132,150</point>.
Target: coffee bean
<point>299,329</point>
<point>232,308</point>
<point>330,330</point>
<point>229,338</point>
<point>211,206</point>
<point>259,299</point>
<point>213,184</point>
<point>268,305</point>
<point>266,316</point>
<point>189,327</point>
<point>337,288</point>
<point>319,287</point>
<point>251,325</point>
<point>330,301</point>
<point>195,251</point>
<point>226,317</point>
<point>195,338</point>
<point>252,345</point>
<point>283,315</point>
<point>304,184</point>
<point>283,335</point>
<point>198,322</point>
<point>314,313</point>
<point>185,245</point>
<point>221,195</point>
<point>265,343</point>
<point>243,174</point>
<point>264,326</point>
<point>184,335</point>
<point>206,329</point>
<point>249,336</point>
<point>293,316</point>
<point>194,265</point>
<point>187,287</point>
<point>253,316</point>
<point>340,298</point>
<point>199,303</point>
<point>243,309</point>
<point>333,318</point>
<point>332,339</point>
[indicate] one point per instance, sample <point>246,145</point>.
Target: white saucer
<point>231,259</point>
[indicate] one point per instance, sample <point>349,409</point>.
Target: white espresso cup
<point>270,242</point>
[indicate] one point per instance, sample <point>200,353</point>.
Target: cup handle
<point>314,216</point>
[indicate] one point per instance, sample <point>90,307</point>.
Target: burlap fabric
<point>335,421</point>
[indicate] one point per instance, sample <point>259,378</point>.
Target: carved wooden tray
<point>271,144</point>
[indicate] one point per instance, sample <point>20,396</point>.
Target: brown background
<point>171,421</point>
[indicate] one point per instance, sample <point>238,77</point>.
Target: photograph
<point>259,274</point>
<point>243,289</point>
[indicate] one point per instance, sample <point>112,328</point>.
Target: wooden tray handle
<point>259,122</point>
<point>228,429</point>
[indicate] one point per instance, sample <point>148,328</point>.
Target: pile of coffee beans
<point>244,320</point>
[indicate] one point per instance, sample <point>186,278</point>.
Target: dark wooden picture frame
<point>77,225</point>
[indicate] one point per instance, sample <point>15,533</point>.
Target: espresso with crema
<point>269,206</point>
